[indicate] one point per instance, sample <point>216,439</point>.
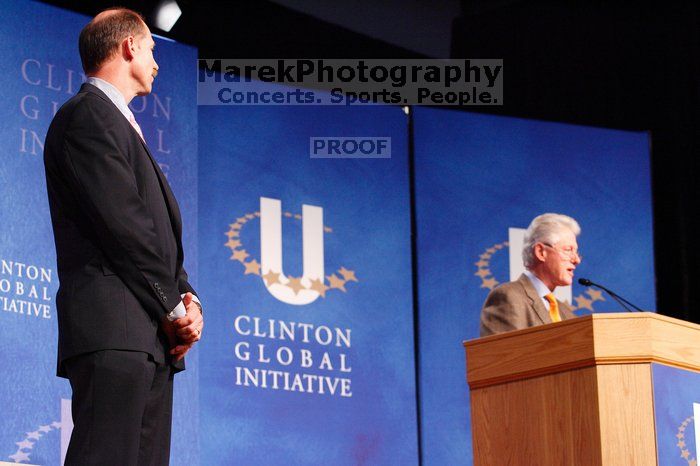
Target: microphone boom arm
<point>622,301</point>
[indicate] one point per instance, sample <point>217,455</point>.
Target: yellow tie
<point>553,307</point>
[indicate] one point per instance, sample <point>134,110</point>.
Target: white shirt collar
<point>114,95</point>
<point>539,285</point>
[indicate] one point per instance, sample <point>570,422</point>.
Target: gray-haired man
<point>550,255</point>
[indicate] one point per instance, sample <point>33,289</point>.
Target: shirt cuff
<point>196,300</point>
<point>178,312</point>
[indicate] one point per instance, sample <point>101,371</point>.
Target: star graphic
<point>336,282</point>
<point>328,229</point>
<point>236,227</point>
<point>20,456</point>
<point>481,263</point>
<point>241,220</point>
<point>491,250</point>
<point>595,294</point>
<point>297,216</point>
<point>319,286</point>
<point>44,428</point>
<point>231,234</point>
<point>680,444</point>
<point>232,243</point>
<point>239,255</point>
<point>287,214</point>
<point>482,273</point>
<point>498,246</point>
<point>679,435</point>
<point>231,225</point>
<point>485,255</point>
<point>257,214</point>
<point>583,303</point>
<point>34,435</point>
<point>682,428</point>
<point>348,275</point>
<point>24,444</point>
<point>249,216</point>
<point>56,425</point>
<point>693,462</point>
<point>295,284</point>
<point>489,283</point>
<point>685,454</point>
<point>252,267</point>
<point>271,277</point>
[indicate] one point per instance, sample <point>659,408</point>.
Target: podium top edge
<point>554,327</point>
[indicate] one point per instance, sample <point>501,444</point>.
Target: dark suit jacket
<point>516,305</point>
<point>117,229</point>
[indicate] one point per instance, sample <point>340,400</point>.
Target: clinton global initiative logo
<point>489,281</point>
<point>31,440</point>
<point>297,290</point>
<point>686,439</point>
<point>683,443</point>
<point>25,447</point>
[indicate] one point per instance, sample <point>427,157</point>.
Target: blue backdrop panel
<point>676,398</point>
<point>477,176</point>
<point>249,153</point>
<point>41,70</point>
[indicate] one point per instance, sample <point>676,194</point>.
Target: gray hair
<point>545,228</point>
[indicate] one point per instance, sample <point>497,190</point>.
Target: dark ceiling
<point>253,29</point>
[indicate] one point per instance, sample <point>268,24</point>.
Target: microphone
<point>615,296</point>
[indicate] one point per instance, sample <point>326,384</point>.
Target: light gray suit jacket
<point>514,306</point>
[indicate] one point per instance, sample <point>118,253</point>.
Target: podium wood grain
<point>577,392</point>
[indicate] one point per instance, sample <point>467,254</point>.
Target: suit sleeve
<point>499,314</point>
<point>105,184</point>
<point>183,283</point>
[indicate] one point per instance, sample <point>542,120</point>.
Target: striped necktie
<point>553,307</point>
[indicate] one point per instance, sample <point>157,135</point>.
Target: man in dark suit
<point>126,312</point>
<point>550,254</point>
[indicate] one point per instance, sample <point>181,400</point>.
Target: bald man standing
<point>127,314</point>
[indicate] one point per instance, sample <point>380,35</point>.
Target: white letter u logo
<point>289,289</point>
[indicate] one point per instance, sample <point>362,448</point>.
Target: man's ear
<point>539,252</point>
<point>129,48</point>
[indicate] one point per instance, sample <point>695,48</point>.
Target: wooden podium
<point>577,392</point>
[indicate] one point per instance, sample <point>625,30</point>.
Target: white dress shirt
<point>540,287</point>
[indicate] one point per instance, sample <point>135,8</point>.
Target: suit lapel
<point>566,311</point>
<point>173,209</point>
<point>535,299</point>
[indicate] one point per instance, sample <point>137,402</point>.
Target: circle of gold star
<point>685,452</point>
<point>483,271</point>
<point>24,452</point>
<point>336,281</point>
